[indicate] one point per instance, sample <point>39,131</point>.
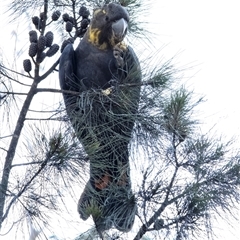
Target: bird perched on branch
<point>106,74</point>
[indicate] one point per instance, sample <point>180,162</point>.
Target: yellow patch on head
<point>93,38</point>
<point>93,35</point>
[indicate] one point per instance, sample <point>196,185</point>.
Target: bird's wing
<point>66,67</point>
<point>105,119</point>
<point>68,78</point>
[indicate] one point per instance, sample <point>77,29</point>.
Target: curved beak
<point>120,29</point>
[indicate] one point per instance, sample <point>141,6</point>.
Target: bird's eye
<point>106,18</point>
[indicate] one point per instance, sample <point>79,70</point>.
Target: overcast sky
<point>206,34</point>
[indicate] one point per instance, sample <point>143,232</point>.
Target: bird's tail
<point>112,205</point>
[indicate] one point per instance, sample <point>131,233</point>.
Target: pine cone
<point>65,17</point>
<point>56,15</point>
<point>69,26</point>
<point>84,23</point>
<point>52,50</point>
<point>33,36</point>
<point>41,43</point>
<point>71,19</point>
<point>35,20</point>
<point>33,48</point>
<point>27,65</point>
<point>83,12</point>
<point>81,32</point>
<point>49,39</point>
<point>64,44</point>
<point>40,57</point>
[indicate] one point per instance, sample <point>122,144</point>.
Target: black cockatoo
<point>107,75</point>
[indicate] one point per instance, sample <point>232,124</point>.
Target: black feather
<point>103,116</point>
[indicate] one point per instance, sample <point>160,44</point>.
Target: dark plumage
<point>107,75</point>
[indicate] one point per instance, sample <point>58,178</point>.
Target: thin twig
<point>18,73</point>
<point>50,70</point>
<point>145,227</point>
<point>44,119</point>
<point>24,188</point>
<point>12,149</point>
<point>5,75</point>
<point>6,136</point>
<point>14,93</point>
<point>26,164</point>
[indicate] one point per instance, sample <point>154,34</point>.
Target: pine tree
<point>182,179</point>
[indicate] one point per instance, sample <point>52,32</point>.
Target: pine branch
<point>12,149</point>
<point>18,73</point>
<point>23,189</point>
<point>145,227</point>
<point>16,135</point>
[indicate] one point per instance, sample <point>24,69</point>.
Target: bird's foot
<point>118,54</point>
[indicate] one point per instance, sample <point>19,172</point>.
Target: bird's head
<point>108,26</point>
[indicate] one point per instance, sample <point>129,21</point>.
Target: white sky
<point>206,33</point>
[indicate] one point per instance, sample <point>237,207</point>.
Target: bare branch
<point>14,93</point>
<point>26,164</point>
<point>49,71</point>
<point>45,119</point>
<point>43,164</point>
<point>18,73</point>
<point>12,148</point>
<point>145,227</point>
<point>6,136</point>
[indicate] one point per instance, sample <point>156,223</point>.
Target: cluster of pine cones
<point>42,46</point>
